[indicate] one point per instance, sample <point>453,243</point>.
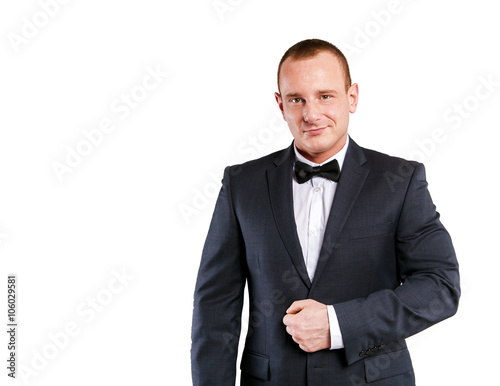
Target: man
<point>341,247</point>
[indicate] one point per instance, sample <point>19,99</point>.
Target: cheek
<point>292,118</point>
<point>332,112</point>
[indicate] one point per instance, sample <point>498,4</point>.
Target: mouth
<point>317,131</point>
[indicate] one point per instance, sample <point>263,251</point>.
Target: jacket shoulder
<point>259,164</point>
<point>388,163</point>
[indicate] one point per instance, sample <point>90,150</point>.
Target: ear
<point>279,100</point>
<point>353,95</point>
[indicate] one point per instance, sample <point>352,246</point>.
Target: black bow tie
<point>304,172</point>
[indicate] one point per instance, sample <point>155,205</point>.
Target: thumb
<point>296,307</point>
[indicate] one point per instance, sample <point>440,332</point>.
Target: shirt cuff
<point>336,341</point>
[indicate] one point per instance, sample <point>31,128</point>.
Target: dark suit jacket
<point>387,265</point>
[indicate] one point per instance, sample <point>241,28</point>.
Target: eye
<point>296,100</point>
<point>325,97</point>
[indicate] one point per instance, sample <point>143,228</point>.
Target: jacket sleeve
<point>218,297</point>
<point>429,290</point>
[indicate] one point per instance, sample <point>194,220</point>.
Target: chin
<point>319,147</point>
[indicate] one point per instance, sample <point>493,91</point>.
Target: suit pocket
<point>371,231</point>
<point>387,365</point>
<point>255,364</point>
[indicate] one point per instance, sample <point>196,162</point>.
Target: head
<point>316,97</point>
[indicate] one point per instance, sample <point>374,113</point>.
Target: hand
<point>307,322</point>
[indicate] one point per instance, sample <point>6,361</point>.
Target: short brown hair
<point>309,48</point>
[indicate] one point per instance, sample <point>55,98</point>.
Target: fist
<point>307,322</point>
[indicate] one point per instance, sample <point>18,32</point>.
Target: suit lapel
<point>351,181</point>
<point>279,180</point>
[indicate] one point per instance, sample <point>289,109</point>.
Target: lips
<point>315,131</point>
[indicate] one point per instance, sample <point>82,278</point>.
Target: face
<point>315,104</point>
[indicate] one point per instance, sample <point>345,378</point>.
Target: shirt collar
<point>340,156</point>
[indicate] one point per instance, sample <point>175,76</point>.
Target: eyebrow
<point>327,92</point>
<point>292,95</point>
<point>296,94</point>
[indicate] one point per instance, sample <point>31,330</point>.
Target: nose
<point>311,112</point>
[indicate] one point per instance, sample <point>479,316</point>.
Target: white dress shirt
<point>312,202</point>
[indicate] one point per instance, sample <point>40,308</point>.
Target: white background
<point>140,203</point>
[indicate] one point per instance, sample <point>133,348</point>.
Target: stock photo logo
<point>381,19</point>
<point>455,116</point>
<point>32,25</point>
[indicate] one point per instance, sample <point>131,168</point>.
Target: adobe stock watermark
<point>32,25</point>
<point>87,311</point>
<point>454,118</point>
<point>251,148</point>
<point>122,105</point>
<point>264,308</point>
<point>257,317</point>
<point>439,308</point>
<point>380,19</point>
<point>222,7</point>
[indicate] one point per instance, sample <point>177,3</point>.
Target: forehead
<point>322,70</point>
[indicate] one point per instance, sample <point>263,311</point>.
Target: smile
<point>315,131</point>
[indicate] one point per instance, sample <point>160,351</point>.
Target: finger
<point>296,306</point>
<point>298,341</point>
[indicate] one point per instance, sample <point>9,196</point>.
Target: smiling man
<point>316,98</point>
<point>341,247</point>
